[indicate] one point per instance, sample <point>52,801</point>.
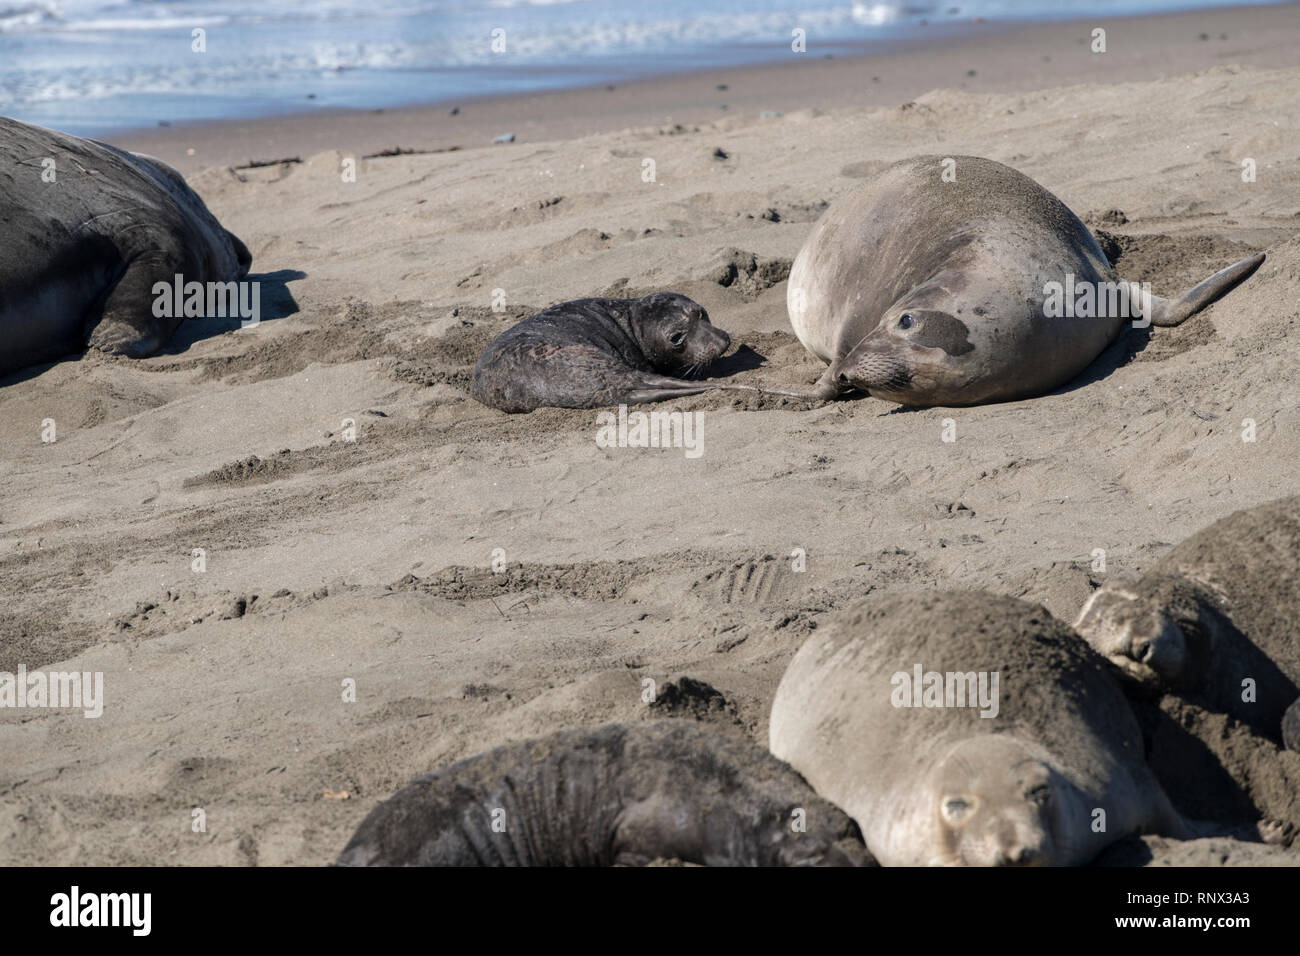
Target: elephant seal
<point>1052,776</point>
<point>82,252</point>
<point>594,352</point>
<point>617,794</point>
<point>1214,620</point>
<point>923,291</point>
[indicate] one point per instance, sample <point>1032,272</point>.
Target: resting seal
<point>82,253</point>
<point>926,785</point>
<point>593,352</point>
<point>943,785</point>
<point>1220,608</point>
<point>618,794</point>
<point>926,292</point>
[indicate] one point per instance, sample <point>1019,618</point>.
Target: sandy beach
<point>349,498</point>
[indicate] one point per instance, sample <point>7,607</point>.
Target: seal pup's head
<point>1159,632</point>
<point>675,333</point>
<point>997,801</point>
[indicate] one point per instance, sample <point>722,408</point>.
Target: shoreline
<point>993,57</point>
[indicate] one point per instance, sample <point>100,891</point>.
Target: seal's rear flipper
<point>1167,312</point>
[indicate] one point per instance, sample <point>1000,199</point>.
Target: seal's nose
<point>1017,855</point>
<point>242,256</point>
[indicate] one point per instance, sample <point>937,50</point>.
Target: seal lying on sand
<point>618,794</point>
<point>593,352</point>
<point>1214,620</point>
<point>1052,777</point>
<point>82,252</point>
<point>927,292</point>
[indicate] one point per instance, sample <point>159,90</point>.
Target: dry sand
<point>330,561</point>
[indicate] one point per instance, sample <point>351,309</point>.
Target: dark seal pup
<point>595,352</point>
<point>924,291</point>
<point>621,794</point>
<point>80,254</point>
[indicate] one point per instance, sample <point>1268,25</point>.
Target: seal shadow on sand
<point>743,359</point>
<point>277,302</point>
<point>1119,353</point>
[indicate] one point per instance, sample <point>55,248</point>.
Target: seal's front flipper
<point>1167,312</point>
<point>640,396</point>
<point>824,389</point>
<point>660,387</point>
<point>127,324</point>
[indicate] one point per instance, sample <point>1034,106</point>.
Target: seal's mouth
<point>872,373</point>
<point>1136,674</point>
<point>714,348</point>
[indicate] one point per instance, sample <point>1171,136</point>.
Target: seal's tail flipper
<point>1167,312</point>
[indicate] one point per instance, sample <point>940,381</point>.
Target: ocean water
<point>97,66</point>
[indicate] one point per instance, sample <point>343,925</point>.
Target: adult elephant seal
<point>923,291</point>
<point>82,252</point>
<point>1044,767</point>
<point>618,794</point>
<point>594,352</point>
<point>1214,621</point>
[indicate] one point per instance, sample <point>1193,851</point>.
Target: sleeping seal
<point>927,292</point>
<point>593,352</point>
<point>1043,767</point>
<point>617,794</point>
<point>1214,621</point>
<point>82,252</point>
<point>1053,775</point>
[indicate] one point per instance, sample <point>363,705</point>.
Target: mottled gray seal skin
<point>81,254</point>
<point>619,794</point>
<point>595,352</point>
<point>1219,609</point>
<point>1291,727</point>
<point>925,292</point>
<point>942,785</point>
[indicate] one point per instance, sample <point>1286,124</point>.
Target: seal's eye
<point>956,808</point>
<point>1039,795</point>
<point>677,338</point>
<point>905,321</point>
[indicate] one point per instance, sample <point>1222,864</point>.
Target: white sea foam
<point>277,53</point>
